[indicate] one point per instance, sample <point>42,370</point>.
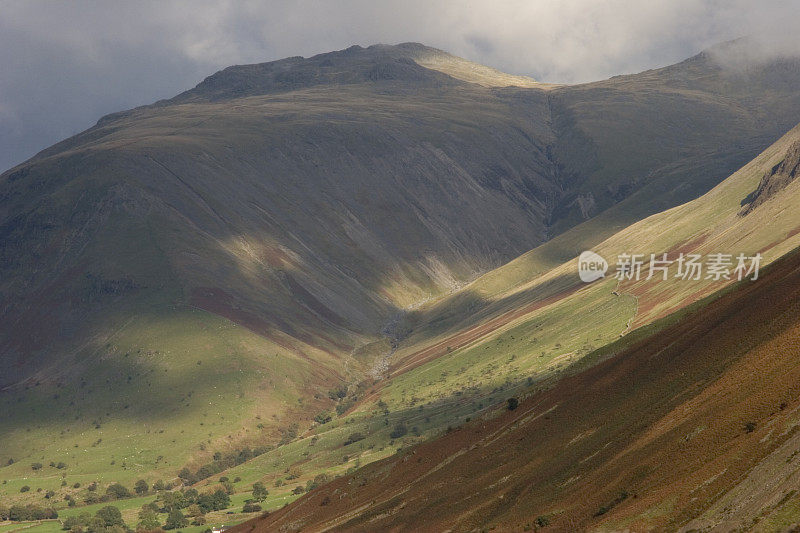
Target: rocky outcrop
<point>775,180</point>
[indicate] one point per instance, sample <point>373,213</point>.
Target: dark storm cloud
<point>63,65</point>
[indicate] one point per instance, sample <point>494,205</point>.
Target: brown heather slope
<point>647,439</point>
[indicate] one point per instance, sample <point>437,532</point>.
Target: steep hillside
<point>697,422</point>
<point>532,306</point>
<point>501,336</point>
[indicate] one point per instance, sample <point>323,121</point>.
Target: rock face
<point>774,181</point>
<point>311,199</point>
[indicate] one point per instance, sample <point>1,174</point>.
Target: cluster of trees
<point>318,480</point>
<point>339,395</point>
<point>24,513</point>
<point>323,418</point>
<point>148,519</point>
<point>115,491</point>
<point>182,499</point>
<point>106,520</point>
<point>180,506</point>
<point>38,466</point>
<point>219,463</point>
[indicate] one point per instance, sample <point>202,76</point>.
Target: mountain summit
<point>411,64</point>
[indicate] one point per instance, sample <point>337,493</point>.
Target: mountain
<point>688,424</point>
<point>297,253</point>
<point>313,199</point>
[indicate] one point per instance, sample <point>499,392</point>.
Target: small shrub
<point>354,437</point>
<point>251,508</point>
<point>323,418</point>
<point>399,430</point>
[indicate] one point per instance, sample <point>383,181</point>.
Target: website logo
<point>591,267</point>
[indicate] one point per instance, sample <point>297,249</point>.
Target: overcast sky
<point>65,64</point>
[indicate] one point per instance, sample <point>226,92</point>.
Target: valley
<point>322,267</point>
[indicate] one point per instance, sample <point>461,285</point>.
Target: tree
<point>214,502</point>
<point>141,487</point>
<point>176,520</point>
<point>260,492</point>
<point>172,500</point>
<point>76,522</point>
<point>118,491</point>
<point>36,466</point>
<point>148,519</point>
<point>96,525</point>
<point>158,485</point>
<point>190,496</point>
<point>111,516</point>
<point>194,510</point>
<point>513,403</point>
<point>187,476</point>
<point>221,500</point>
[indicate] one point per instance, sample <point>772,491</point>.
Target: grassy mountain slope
<point>693,426</point>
